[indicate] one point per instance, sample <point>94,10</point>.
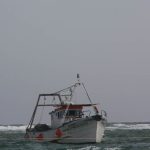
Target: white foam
<point>89,148</point>
<point>115,148</point>
<point>13,128</point>
<point>96,148</point>
<point>138,126</point>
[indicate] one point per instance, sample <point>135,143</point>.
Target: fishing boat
<point>70,122</point>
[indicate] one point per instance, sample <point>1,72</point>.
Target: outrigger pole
<point>37,104</point>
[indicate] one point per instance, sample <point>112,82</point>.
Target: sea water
<point>118,136</point>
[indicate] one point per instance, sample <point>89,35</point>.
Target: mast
<point>78,78</point>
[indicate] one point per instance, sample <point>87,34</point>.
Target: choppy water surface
<point>118,136</point>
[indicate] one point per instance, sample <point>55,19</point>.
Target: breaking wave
<point>89,148</point>
<point>13,127</point>
<point>97,148</point>
<point>128,126</point>
<point>115,148</point>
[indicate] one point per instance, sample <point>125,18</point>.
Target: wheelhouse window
<point>70,113</point>
<point>73,113</point>
<point>60,114</point>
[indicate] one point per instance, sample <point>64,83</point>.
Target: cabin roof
<point>71,107</point>
<point>59,105</point>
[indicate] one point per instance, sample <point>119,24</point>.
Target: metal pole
<point>94,107</point>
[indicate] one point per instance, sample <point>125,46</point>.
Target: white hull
<point>87,130</point>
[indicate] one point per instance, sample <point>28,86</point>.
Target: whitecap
<point>114,148</point>
<point>89,148</point>
<point>98,148</point>
<point>138,126</point>
<point>13,128</point>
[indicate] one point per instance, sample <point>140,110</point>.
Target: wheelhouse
<point>65,114</point>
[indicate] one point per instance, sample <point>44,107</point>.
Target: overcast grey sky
<point>44,43</point>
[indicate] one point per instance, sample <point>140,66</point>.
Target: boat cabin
<point>65,114</point>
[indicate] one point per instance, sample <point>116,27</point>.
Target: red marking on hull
<point>58,133</point>
<point>40,137</point>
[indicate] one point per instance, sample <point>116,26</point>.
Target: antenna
<point>78,78</point>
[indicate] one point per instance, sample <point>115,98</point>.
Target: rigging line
<point>94,107</point>
<point>66,112</point>
<point>87,94</point>
<point>42,111</point>
<point>66,88</point>
<point>72,92</point>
